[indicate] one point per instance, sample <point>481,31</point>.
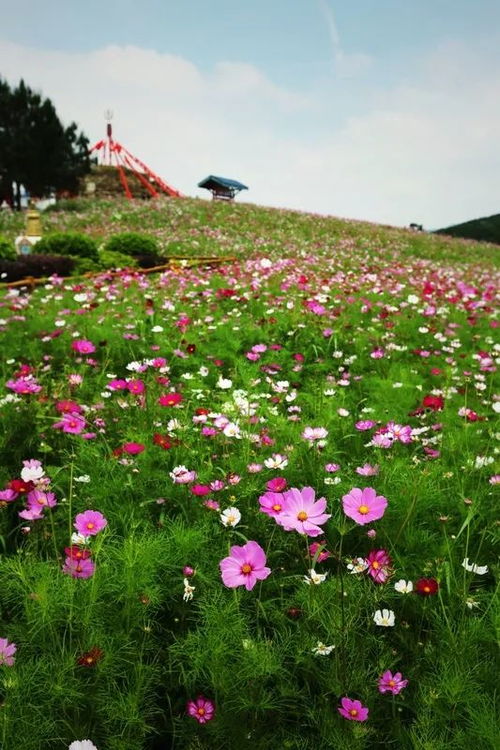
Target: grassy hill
<point>198,227</point>
<point>486,229</point>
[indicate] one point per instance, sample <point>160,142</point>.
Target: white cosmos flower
<point>32,471</point>
<point>277,461</point>
<point>84,479</point>
<point>385,618</point>
<point>315,578</point>
<point>481,570</point>
<point>188,590</point>
<point>224,383</point>
<point>322,650</point>
<point>403,587</point>
<point>82,745</point>
<point>79,538</point>
<point>232,430</point>
<point>230,517</point>
<point>358,565</point>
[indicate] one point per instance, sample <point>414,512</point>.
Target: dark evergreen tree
<point>36,150</point>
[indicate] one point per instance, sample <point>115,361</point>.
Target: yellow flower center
<point>353,712</point>
<point>363,509</point>
<point>302,516</point>
<point>276,507</point>
<point>375,565</point>
<point>246,569</point>
<point>201,712</point>
<point>90,525</point>
<point>427,589</point>
<point>391,683</point>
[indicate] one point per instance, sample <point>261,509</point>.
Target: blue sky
<point>371,109</point>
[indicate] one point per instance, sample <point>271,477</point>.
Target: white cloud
<point>425,151</point>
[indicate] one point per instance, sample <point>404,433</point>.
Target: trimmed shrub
<point>134,244</point>
<point>7,249</point>
<point>37,266</point>
<point>67,204</point>
<point>111,259</point>
<point>69,243</point>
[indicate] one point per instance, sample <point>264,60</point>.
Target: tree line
<point>36,149</point>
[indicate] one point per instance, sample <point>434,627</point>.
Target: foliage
<point>69,243</point>
<point>7,249</point>
<point>328,355</point>
<point>112,259</point>
<point>35,265</point>
<point>132,244</point>
<point>37,150</point>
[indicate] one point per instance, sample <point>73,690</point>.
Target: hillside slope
<point>486,229</point>
<point>192,227</point>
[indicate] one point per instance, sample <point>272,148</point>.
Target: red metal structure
<point>112,153</point>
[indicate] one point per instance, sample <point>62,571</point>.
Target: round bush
<point>69,243</point>
<point>7,250</point>
<point>132,243</point>
<point>111,259</point>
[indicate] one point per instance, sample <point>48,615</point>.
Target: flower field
<point>253,504</point>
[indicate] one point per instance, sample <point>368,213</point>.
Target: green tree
<point>36,149</point>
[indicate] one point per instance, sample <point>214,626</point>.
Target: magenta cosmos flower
<point>364,506</point>
<point>202,709</point>
<point>7,651</point>
<point>391,683</point>
<point>83,346</point>
<point>90,523</point>
<point>302,512</point>
<point>78,568</point>
<point>245,566</point>
<point>353,710</point>
<point>379,565</point>
<point>272,503</point>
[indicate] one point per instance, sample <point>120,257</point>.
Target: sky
<point>381,110</point>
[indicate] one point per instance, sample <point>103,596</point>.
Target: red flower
<point>77,553</point>
<point>90,658</point>
<point>170,399</point>
<point>426,586</point>
<point>162,440</point>
<point>436,403</point>
<point>18,485</point>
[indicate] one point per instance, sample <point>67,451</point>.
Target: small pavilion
<point>222,188</point>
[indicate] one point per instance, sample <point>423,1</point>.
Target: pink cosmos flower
<point>353,710</point>
<point>245,566</point>
<point>73,423</point>
<point>272,503</point>
<point>364,506</point>
<point>314,433</point>
<point>32,513</point>
<point>24,385</point>
<point>90,523</point>
<point>379,565</point>
<point>323,555</point>
<point>202,709</point>
<point>82,346</point>
<point>7,496</point>
<point>200,490</point>
<point>83,568</point>
<point>367,470</point>
<point>365,424</point>
<point>389,683</point>
<point>403,433</point>
<point>36,499</point>
<point>7,651</point>
<point>302,512</point>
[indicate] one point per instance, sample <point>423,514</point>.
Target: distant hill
<point>483,230</point>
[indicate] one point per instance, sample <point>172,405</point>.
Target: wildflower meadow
<point>252,504</point>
